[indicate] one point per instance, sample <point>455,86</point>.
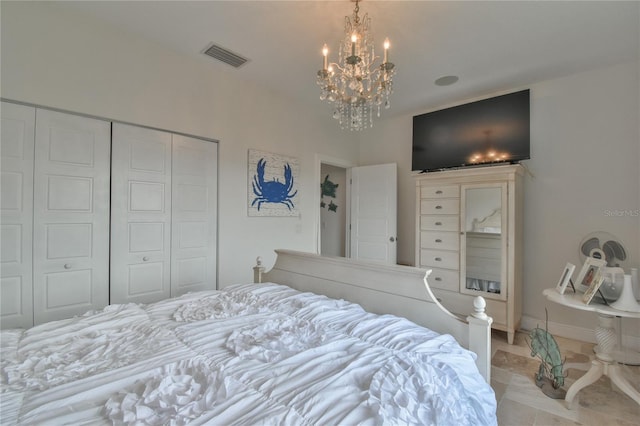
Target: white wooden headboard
<point>383,289</point>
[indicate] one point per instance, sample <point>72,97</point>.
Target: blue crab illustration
<point>272,191</point>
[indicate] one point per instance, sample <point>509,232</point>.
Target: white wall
<point>585,167</point>
<point>58,58</point>
<point>585,145</point>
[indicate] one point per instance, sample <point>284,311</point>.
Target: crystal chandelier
<point>355,86</point>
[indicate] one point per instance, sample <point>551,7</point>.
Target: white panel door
<point>16,217</point>
<point>373,213</point>
<point>193,217</point>
<point>71,215</point>
<point>140,214</point>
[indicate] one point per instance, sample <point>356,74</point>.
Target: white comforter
<point>249,354</point>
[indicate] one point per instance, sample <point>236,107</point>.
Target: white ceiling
<point>491,46</point>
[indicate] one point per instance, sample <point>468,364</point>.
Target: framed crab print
<point>272,185</point>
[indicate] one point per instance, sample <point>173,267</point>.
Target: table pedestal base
<point>598,369</point>
<point>603,364</point>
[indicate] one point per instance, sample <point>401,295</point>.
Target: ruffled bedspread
<point>249,354</point>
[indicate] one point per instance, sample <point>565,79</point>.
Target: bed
<point>269,352</point>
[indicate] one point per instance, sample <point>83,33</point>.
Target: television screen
<point>494,130</point>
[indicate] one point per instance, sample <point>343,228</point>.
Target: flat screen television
<point>485,132</point>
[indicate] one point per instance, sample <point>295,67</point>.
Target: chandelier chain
<point>355,12</point>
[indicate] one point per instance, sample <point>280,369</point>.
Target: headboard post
<point>258,270</point>
<point>480,336</point>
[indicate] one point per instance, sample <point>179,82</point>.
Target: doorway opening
<point>333,208</point>
<point>333,203</point>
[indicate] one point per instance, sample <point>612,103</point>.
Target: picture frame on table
<point>591,269</point>
<point>590,266</point>
<point>565,277</point>
<point>596,282</point>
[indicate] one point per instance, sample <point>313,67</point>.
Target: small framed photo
<point>589,270</point>
<point>565,277</point>
<point>596,282</point>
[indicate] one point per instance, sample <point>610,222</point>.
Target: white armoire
<point>66,202</point>
<point>469,225</point>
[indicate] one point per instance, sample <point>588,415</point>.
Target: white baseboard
<point>573,332</point>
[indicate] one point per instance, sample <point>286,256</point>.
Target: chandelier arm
<point>372,67</point>
<point>337,66</point>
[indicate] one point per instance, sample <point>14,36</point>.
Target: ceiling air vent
<point>225,55</point>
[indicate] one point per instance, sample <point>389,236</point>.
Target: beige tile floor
<point>522,403</point>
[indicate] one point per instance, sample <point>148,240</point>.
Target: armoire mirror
<point>483,242</point>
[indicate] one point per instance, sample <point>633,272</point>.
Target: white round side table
<point>604,362</point>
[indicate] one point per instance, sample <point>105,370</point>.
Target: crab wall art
<point>273,184</point>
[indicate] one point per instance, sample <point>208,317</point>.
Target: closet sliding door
<point>163,214</point>
<point>16,217</point>
<point>194,209</point>
<point>71,215</point>
<point>140,214</point>
<point>93,213</point>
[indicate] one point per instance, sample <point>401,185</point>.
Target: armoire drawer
<point>439,259</point>
<point>444,206</point>
<point>440,240</point>
<point>447,191</point>
<point>484,239</point>
<point>484,268</point>
<point>446,279</point>
<point>439,223</point>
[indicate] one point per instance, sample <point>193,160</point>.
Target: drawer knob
<point>438,240</point>
<point>67,266</point>
<point>144,259</point>
<point>438,279</point>
<point>438,223</point>
<point>438,259</point>
<point>439,191</point>
<point>438,207</point>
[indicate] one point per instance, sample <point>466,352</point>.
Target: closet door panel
<point>16,215</point>
<point>140,215</point>
<point>71,215</point>
<point>194,211</point>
